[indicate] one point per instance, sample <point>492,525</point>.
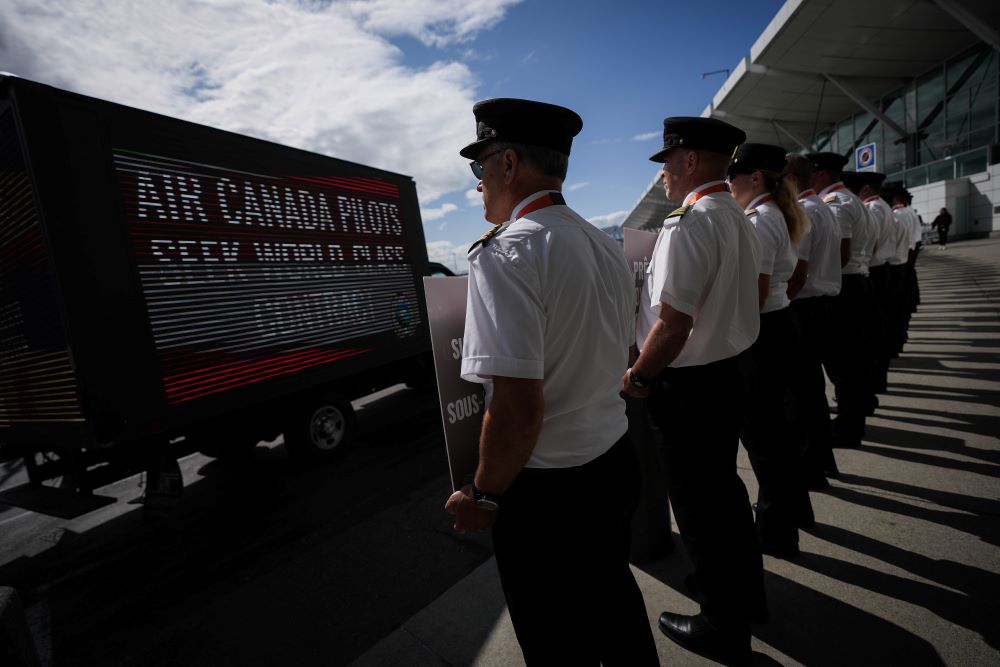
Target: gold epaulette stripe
<point>485,238</point>
<point>678,212</point>
<point>830,198</point>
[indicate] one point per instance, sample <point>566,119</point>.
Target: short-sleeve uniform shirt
<point>902,236</point>
<point>880,212</point>
<point>820,247</point>
<point>705,264</point>
<point>777,256</point>
<point>853,221</point>
<point>551,297</point>
<point>916,227</point>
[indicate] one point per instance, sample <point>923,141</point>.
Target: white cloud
<point>317,75</point>
<point>646,136</point>
<point>577,186</point>
<point>474,197</point>
<point>428,214</point>
<point>608,219</point>
<point>434,22</point>
<point>455,257</point>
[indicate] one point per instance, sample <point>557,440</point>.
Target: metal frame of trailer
<point>161,279</point>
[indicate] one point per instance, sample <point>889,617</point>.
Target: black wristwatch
<point>486,501</point>
<point>637,380</point>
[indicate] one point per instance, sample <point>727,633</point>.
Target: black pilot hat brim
<point>523,122</point>
<point>749,158</point>
<point>697,133</point>
<point>827,161</point>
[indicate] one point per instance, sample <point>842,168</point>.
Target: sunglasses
<point>477,165</point>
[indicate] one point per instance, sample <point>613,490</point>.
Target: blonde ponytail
<point>795,216</point>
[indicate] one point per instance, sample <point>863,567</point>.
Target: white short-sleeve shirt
<point>551,297</point>
<point>777,256</point>
<point>820,247</point>
<point>880,212</point>
<point>705,264</point>
<point>916,227</point>
<point>902,234</point>
<point>853,221</point>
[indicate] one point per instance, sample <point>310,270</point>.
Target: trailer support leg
<point>164,484</point>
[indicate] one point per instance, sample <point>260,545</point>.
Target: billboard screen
<point>250,276</point>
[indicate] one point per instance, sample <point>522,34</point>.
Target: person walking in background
<point>769,427</point>
<point>549,321</point>
<point>942,223</point>
<point>698,314</point>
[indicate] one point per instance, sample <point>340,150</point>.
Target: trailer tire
<point>320,428</point>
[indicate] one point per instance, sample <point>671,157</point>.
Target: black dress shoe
<point>699,635</point>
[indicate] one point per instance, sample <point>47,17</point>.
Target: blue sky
<point>391,83</point>
<point>622,66</point>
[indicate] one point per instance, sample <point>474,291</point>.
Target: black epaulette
<point>485,238</point>
<point>830,198</point>
<point>750,212</point>
<point>678,212</point>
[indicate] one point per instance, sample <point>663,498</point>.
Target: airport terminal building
<point>905,87</point>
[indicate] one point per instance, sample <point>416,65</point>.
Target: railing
<point>955,166</point>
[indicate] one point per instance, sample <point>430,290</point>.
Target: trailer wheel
<point>320,429</point>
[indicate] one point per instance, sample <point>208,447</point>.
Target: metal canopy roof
<point>819,61</point>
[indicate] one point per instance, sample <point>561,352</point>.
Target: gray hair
<point>546,160</point>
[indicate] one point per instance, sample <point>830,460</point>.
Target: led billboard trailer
<point>155,273</point>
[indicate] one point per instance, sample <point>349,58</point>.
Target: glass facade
<point>951,110</point>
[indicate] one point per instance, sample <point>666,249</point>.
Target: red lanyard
<point>551,199</point>
<point>719,187</point>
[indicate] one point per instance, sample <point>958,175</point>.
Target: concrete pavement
<point>903,566</point>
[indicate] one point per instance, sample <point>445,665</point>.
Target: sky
<point>391,83</point>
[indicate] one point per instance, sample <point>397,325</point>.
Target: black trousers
<point>912,284</point>
<point>942,236</point>
<point>699,410</point>
<point>878,323</point>
<point>814,315</point>
<point>846,359</point>
<point>770,428</point>
<point>897,308</point>
<point>562,539</point>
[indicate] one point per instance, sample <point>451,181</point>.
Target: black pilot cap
<point>892,189</point>
<point>853,180</point>
<point>523,122</point>
<point>873,179</point>
<point>828,161</point>
<point>749,158</point>
<point>703,134</point>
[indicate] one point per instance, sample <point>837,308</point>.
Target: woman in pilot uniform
<point>767,432</point>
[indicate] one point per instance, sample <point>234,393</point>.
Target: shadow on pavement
<point>985,527</point>
<point>887,435</point>
<point>894,452</point>
<point>974,602</point>
<point>815,629</point>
